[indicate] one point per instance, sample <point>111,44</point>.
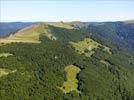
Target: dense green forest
<point>37,70</point>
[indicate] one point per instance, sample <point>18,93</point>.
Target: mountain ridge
<point>50,62</point>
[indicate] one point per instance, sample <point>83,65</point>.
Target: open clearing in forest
<point>71,83</point>
<point>4,72</point>
<point>87,45</point>
<point>5,54</point>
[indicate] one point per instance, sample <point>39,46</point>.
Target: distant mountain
<point>120,33</point>
<point>7,28</point>
<point>117,33</point>
<point>67,61</point>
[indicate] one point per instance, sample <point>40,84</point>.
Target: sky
<point>66,10</point>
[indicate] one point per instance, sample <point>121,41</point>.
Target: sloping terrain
<point>11,27</point>
<point>87,45</point>
<point>51,62</point>
<point>61,25</point>
<point>119,34</point>
<point>29,34</point>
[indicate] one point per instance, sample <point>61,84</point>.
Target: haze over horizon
<point>56,10</point>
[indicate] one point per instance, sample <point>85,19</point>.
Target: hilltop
<point>67,61</point>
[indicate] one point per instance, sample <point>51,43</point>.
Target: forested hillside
<point>68,61</point>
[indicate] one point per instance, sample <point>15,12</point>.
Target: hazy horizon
<point>67,11</point>
<point>61,21</point>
